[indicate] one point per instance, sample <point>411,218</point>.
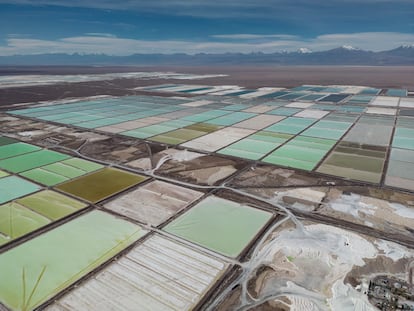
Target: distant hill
<point>345,55</point>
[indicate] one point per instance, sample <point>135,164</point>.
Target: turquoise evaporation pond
<point>42,267</point>
<point>370,91</point>
<point>13,187</point>
<point>396,92</point>
<point>164,86</point>
<point>275,94</point>
<point>232,118</point>
<point>256,146</point>
<point>242,92</point>
<point>157,129</point>
<point>332,89</point>
<point>328,129</point>
<point>97,123</point>
<point>301,88</point>
<point>403,138</point>
<point>317,88</point>
<point>57,110</point>
<point>177,123</point>
<point>236,107</point>
<point>301,152</point>
<point>148,131</point>
<point>208,115</point>
<point>197,89</point>
<point>360,99</point>
<point>291,125</point>
<point>103,112</point>
<point>341,117</point>
<point>401,163</point>
<point>312,97</point>
<point>349,108</point>
<point>293,95</point>
<point>284,111</point>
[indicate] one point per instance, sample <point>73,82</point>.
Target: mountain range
<point>345,55</point>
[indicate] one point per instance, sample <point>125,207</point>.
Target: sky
<point>126,27</point>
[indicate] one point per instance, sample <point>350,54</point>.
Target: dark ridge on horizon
<point>403,55</point>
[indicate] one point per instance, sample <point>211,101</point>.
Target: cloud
<point>375,41</point>
<point>210,8</point>
<point>254,36</point>
<point>100,34</point>
<point>111,45</point>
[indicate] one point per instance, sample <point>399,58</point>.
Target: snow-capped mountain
<point>350,48</point>
<point>304,51</point>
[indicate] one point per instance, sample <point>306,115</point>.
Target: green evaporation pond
<point>220,225</point>
<point>64,170</point>
<point>272,137</point>
<point>291,125</point>
<point>327,129</point>
<point>101,184</point>
<point>44,177</point>
<point>51,204</point>
<point>324,133</point>
<point>59,172</point>
<point>11,150</point>
<point>3,174</point>
<point>354,162</point>
<point>17,220</point>
<point>249,149</point>
<point>245,154</point>
<point>13,187</point>
<point>84,165</point>
<point>6,141</point>
<point>31,160</point>
<point>256,146</point>
<point>176,123</point>
<point>301,152</point>
<point>42,267</point>
<point>203,127</point>
<point>178,136</point>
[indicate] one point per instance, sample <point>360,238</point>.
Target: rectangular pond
<point>42,267</point>
<point>154,202</point>
<point>101,184</point>
<point>157,275</point>
<point>32,212</point>
<point>220,225</point>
